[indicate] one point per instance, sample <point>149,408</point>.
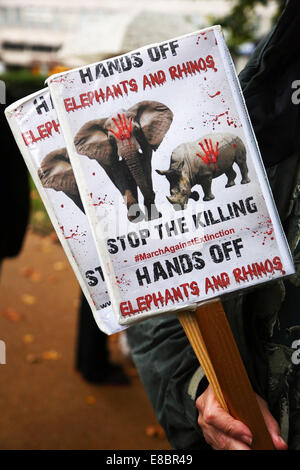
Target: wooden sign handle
<point>210,335</point>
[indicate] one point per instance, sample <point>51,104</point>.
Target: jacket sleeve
<point>171,376</point>
<point>165,360</point>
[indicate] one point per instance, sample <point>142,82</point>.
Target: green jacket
<point>265,321</point>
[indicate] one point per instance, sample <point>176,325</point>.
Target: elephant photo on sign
<point>199,162</point>
<point>123,145</point>
<point>56,173</point>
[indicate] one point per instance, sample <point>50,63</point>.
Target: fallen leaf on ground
<point>33,358</point>
<point>52,279</point>
<point>28,299</point>
<point>35,277</point>
<point>12,315</point>
<point>53,237</point>
<point>34,194</point>
<point>50,355</point>
<point>30,273</point>
<point>46,246</point>
<point>90,400</point>
<point>155,431</point>
<point>28,339</point>
<point>59,266</point>
<point>26,271</point>
<point>39,216</point>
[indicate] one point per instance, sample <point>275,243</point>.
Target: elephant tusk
<point>140,151</point>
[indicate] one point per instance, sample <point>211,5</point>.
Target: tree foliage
<point>241,24</point>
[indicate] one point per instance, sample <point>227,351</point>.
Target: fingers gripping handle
<point>210,336</point>
<point>190,325</point>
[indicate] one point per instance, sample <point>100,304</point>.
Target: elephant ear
<point>92,140</point>
<point>154,118</point>
<point>56,172</point>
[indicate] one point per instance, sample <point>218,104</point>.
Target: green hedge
<point>20,83</point>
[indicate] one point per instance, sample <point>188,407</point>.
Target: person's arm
<point>172,378</point>
<point>14,191</point>
<point>222,432</point>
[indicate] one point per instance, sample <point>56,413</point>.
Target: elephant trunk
<point>129,151</point>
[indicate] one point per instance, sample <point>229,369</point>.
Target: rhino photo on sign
<point>170,175</point>
<point>199,162</point>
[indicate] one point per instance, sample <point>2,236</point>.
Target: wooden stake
<point>210,335</point>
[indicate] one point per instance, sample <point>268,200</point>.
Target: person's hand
<point>222,432</point>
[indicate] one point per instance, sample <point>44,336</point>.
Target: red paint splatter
<point>124,128</point>
<point>265,230</point>
<point>199,37</point>
<point>123,282</point>
<point>210,154</point>
<point>216,94</point>
<point>101,200</point>
<point>92,297</point>
<point>231,122</point>
<point>63,79</point>
<point>213,119</point>
<point>74,235</point>
<point>217,116</point>
<point>19,111</point>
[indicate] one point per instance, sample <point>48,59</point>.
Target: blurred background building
<point>43,34</point>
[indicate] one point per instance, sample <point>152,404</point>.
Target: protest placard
<point>176,194</point>
<point>171,185</point>
<point>170,175</point>
<point>37,131</point>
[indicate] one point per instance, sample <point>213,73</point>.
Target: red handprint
<point>210,154</point>
<point>124,129</point>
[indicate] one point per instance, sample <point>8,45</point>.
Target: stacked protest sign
<point>37,131</point>
<point>152,177</point>
<point>170,176</point>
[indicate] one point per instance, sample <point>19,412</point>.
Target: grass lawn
<point>39,219</point>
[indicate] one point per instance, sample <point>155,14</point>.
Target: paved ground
<point>44,403</point>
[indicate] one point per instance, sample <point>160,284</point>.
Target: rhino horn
<point>171,199</point>
<point>164,172</point>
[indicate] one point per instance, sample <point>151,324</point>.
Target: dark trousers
<point>92,355</point>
